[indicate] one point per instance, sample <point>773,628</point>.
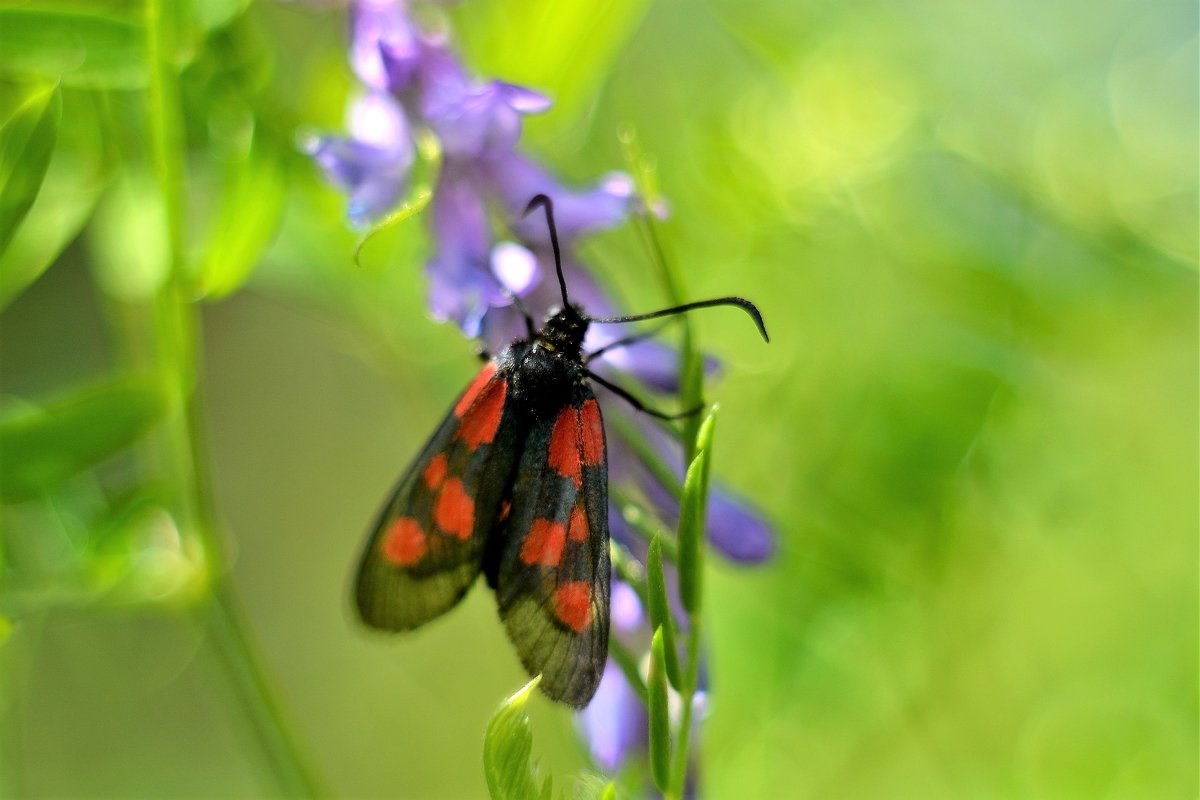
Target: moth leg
<point>638,404</point>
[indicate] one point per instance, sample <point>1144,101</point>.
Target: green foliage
<point>66,196</point>
<point>132,210</point>
<point>660,612</point>
<point>507,753</point>
<point>692,508</point>
<point>250,207</point>
<point>30,115</point>
<point>97,45</point>
<point>45,447</point>
<point>660,719</point>
<point>507,747</point>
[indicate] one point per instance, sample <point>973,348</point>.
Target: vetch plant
<point>425,132</point>
<point>107,499</point>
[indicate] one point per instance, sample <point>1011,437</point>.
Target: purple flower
<point>372,164</point>
<point>614,724</point>
<point>605,205</point>
<point>383,44</point>
<point>480,121</point>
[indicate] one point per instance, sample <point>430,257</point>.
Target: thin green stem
<point>691,395</point>
<point>683,736</point>
<point>227,630</point>
<point>173,354</point>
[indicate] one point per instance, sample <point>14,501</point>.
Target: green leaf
<point>660,720</point>
<point>660,611</point>
<point>42,448</point>
<point>212,15</point>
<point>128,239</point>
<point>96,44</point>
<point>589,786</point>
<point>27,136</point>
<point>704,440</point>
<point>507,746</point>
<point>692,509</point>
<point>251,208</point>
<point>74,181</point>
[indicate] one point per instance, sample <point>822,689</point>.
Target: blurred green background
<point>972,230</point>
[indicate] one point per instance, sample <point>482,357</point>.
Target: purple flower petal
<point>462,286</point>
<point>655,364</point>
<point>614,723</point>
<point>458,294</point>
<point>380,32</point>
<point>515,267</point>
<point>501,327</point>
<point>522,99</point>
<point>737,529</point>
<point>376,119</point>
<point>372,167</point>
<point>625,607</point>
<point>473,120</point>
<point>517,179</point>
<point>374,179</point>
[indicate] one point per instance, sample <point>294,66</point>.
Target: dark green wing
<point>427,544</point>
<point>552,583</point>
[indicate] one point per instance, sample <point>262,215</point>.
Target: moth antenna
<point>740,302</point>
<point>548,205</point>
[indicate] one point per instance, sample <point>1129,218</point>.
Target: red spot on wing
<point>505,509</point>
<point>468,397</point>
<point>573,605</point>
<point>564,445</point>
<point>483,417</point>
<point>577,528</point>
<point>404,543</point>
<point>454,510</point>
<point>435,473</point>
<point>593,433</point>
<point>544,543</point>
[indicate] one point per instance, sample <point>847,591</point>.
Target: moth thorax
<point>564,331</point>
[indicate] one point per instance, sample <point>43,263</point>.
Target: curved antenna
<point>740,302</point>
<point>545,202</point>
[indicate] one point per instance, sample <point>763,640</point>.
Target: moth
<point>513,484</point>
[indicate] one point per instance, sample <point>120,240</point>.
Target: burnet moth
<point>514,484</point>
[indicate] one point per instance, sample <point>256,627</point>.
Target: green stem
<point>691,395</point>
<point>683,737</point>
<point>174,354</point>
<point>228,632</point>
